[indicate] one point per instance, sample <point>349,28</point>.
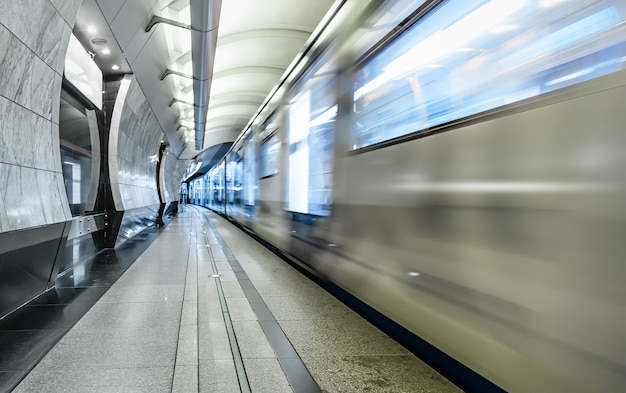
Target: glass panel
<point>250,176</point>
<point>75,140</point>
<point>467,57</point>
<point>270,149</point>
<point>311,120</point>
<point>234,182</point>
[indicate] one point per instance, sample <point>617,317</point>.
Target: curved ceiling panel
<point>253,50</point>
<point>256,42</point>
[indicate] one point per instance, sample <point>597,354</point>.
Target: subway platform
<point>205,308</point>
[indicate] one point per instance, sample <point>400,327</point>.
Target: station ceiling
<point>256,42</point>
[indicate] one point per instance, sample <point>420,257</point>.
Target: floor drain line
<point>244,385</point>
<point>294,369</point>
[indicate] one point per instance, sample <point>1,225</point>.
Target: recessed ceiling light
<point>115,67</point>
<point>99,41</point>
<point>106,51</point>
<point>92,29</point>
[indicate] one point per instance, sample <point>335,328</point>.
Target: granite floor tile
<point>213,341</point>
<point>185,379</point>
<point>141,277</point>
<point>131,315</point>
<point>240,310</point>
<point>115,348</point>
<point>144,293</point>
<point>232,289</point>
<point>96,379</point>
<point>252,341</point>
<point>187,351</point>
<point>189,315</point>
<point>290,308</point>
<point>323,338</point>
<point>266,376</point>
<point>217,375</point>
<point>210,311</point>
<point>377,374</point>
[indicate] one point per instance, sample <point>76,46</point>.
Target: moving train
<point>459,166</point>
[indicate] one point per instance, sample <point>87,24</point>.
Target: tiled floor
<point>29,333</point>
<point>260,326</point>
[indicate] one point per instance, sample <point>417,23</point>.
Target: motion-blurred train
<point>460,166</point>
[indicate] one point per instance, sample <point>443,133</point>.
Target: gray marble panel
<point>4,221</point>
<point>124,174</point>
<point>22,201</point>
<point>56,153</point>
<point>114,136</point>
<point>143,196</point>
<point>36,23</point>
<point>43,152</point>
<point>149,196</point>
<point>127,118</point>
<point>36,89</point>
<point>56,97</point>
<point>174,171</point>
<point>117,195</point>
<point>144,114</point>
<point>135,96</point>
<point>137,145</point>
<point>59,65</point>
<point>14,59</point>
<point>123,168</point>
<point>48,195</point>
<point>20,127</point>
<point>126,200</point>
<point>9,112</point>
<point>62,212</point>
<point>124,145</point>
<point>136,156</point>
<point>68,9</point>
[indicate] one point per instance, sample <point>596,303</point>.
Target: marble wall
<point>34,35</point>
<point>172,173</point>
<point>133,148</point>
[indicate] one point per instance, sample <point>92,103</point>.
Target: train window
<point>463,58</point>
<point>311,131</point>
<point>214,184</point>
<point>250,172</point>
<point>381,23</point>
<point>270,150</point>
<point>219,183</point>
<point>234,179</point>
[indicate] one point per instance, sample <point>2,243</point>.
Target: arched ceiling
<point>256,42</point>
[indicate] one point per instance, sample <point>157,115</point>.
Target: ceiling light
<point>92,29</point>
<point>115,67</point>
<point>99,41</point>
<point>106,51</point>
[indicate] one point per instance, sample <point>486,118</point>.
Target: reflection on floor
<point>206,309</point>
<point>29,333</point>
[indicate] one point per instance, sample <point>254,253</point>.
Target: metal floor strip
<point>242,377</point>
<point>296,372</point>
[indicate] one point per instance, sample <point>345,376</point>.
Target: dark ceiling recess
<point>209,158</point>
<point>93,32</point>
